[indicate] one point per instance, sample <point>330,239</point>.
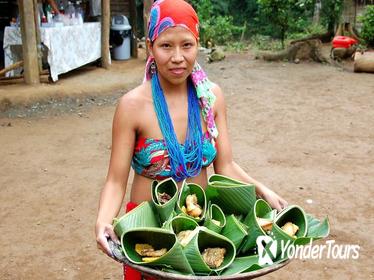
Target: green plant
<point>236,46</point>
<point>278,13</point>
<point>219,30</point>
<point>367,20</point>
<point>262,42</point>
<point>330,13</point>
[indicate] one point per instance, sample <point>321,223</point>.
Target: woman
<point>176,103</point>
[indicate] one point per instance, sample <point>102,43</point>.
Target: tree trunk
<point>29,43</point>
<point>317,12</point>
<point>325,38</point>
<point>349,11</point>
<point>345,28</point>
<point>305,50</point>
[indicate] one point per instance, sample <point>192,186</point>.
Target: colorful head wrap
<point>171,13</point>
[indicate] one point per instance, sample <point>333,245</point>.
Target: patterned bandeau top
<point>151,158</point>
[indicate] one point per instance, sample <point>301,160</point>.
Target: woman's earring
<point>153,67</point>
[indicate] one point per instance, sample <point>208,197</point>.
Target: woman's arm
<point>113,192</point>
<point>224,163</point>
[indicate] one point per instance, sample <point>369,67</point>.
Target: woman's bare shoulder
<point>135,99</point>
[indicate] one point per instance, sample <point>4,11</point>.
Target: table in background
<point>68,47</point>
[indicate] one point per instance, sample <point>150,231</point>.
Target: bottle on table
<point>79,14</point>
<point>70,13</point>
<point>49,13</point>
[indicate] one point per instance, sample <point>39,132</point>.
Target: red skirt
<point>128,272</point>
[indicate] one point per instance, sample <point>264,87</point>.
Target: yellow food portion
<point>265,224</point>
<point>140,248</point>
<point>192,208</point>
<point>290,228</point>
<point>146,250</point>
<point>149,259</point>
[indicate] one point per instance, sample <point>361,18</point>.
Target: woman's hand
<point>103,232</point>
<point>272,198</point>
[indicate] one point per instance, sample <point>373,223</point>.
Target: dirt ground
<point>303,129</point>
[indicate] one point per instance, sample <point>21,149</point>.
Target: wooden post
<point>105,29</point>
<point>134,39</point>
<point>38,39</point>
<point>29,44</point>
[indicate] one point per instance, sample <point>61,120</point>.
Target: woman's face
<point>175,51</point>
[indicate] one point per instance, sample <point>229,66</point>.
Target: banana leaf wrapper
<point>158,238</point>
<point>187,189</point>
<point>141,216</point>
<point>316,230</point>
<point>214,212</point>
<point>170,187</point>
<point>234,197</point>
<point>235,231</point>
<point>205,238</point>
<point>294,214</point>
<point>242,265</point>
<point>261,209</point>
<point>180,223</point>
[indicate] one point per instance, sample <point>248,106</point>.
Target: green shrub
<point>219,30</point>
<point>261,42</point>
<point>215,27</point>
<point>367,20</point>
<point>236,46</point>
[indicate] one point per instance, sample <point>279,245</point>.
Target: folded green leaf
<point>203,239</point>
<point>234,230</point>
<point>294,214</point>
<point>170,187</point>
<point>141,216</point>
<point>241,265</point>
<point>316,230</point>
<point>158,238</point>
<point>189,189</point>
<point>214,215</point>
<point>261,209</point>
<point>234,197</point>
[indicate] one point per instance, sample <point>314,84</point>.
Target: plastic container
<point>120,37</point>
<point>343,42</point>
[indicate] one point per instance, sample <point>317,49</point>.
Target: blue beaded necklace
<point>185,160</point>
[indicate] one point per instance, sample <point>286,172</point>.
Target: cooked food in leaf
<point>163,197</point>
<point>149,259</point>
<point>184,236</point>
<point>146,250</point>
<point>290,229</point>
<point>265,224</point>
<point>214,257</point>
<point>193,209</point>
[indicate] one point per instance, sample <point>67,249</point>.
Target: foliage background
<point>267,24</point>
